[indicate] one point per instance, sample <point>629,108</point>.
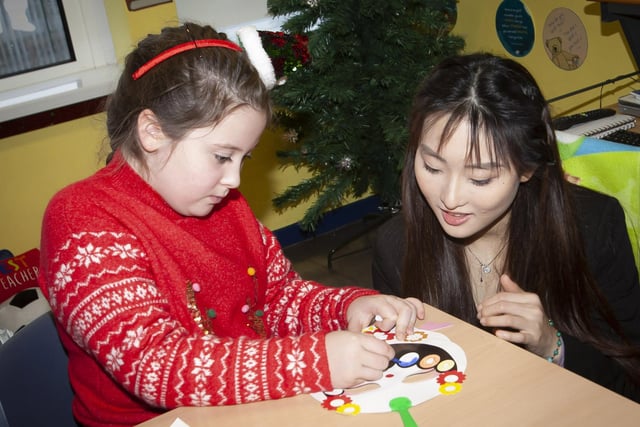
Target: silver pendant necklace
<point>485,268</point>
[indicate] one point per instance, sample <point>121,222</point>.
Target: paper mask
<point>426,365</point>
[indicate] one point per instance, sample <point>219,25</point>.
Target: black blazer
<point>610,258</point>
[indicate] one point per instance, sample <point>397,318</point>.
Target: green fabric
<point>616,173</point>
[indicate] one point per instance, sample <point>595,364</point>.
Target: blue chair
<point>34,383</point>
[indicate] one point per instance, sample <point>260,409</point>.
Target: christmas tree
<point>345,101</point>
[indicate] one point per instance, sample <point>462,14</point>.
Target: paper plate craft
<point>427,364</point>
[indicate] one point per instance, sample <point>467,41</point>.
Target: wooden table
<point>505,386</point>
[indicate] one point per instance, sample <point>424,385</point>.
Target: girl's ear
<point>149,131</point>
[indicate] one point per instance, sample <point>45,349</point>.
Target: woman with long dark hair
<point>493,233</point>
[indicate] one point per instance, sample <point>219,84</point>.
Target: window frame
<point>91,75</point>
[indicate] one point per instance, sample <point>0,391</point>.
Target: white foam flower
<point>252,44</point>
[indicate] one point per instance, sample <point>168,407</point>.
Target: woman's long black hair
<point>500,101</point>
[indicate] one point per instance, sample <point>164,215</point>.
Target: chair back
<point>34,382</point>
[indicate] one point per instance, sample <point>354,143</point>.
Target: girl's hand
<point>385,311</point>
<point>356,357</point>
<point>518,316</point>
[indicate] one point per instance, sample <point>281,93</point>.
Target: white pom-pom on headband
<point>252,44</point>
<point>250,40</point>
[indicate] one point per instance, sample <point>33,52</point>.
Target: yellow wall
<point>608,55</point>
<point>34,165</point>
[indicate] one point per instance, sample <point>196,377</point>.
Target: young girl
<point>492,233</point>
<point>168,291</point>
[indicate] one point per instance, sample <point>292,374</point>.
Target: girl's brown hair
<point>192,89</point>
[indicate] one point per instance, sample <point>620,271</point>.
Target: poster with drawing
<point>565,39</point>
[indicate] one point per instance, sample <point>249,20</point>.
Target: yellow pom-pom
<point>251,271</point>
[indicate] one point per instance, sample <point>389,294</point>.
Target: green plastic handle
<point>401,405</point>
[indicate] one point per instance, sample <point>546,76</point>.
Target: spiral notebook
<point>602,127</point>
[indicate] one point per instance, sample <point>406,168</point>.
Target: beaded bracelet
<point>558,343</point>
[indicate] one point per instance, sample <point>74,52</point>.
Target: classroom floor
<point>350,265</point>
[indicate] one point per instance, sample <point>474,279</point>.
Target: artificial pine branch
<point>347,106</point>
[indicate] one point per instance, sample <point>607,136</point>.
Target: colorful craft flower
<point>349,409</point>
<point>384,335</point>
<point>450,388</point>
<point>417,336</point>
<point>379,333</point>
<point>369,330</point>
<point>334,402</point>
<point>451,377</point>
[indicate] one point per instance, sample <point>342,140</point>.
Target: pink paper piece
<point>434,326</point>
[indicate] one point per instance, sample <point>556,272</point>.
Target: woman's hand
<point>356,357</point>
<point>385,311</point>
<point>518,316</point>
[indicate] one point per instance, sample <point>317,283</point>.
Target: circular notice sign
<point>565,39</point>
<point>515,27</point>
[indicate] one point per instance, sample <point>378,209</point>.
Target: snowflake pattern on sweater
<point>116,261</point>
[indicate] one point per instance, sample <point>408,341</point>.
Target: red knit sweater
<point>116,260</point>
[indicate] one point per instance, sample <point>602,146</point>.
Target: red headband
<point>172,51</point>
